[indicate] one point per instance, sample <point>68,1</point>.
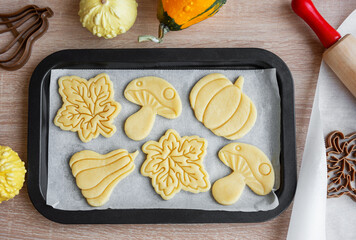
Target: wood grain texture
<point>268,24</point>
<point>341,58</point>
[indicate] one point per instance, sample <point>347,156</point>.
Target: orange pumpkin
<point>177,15</point>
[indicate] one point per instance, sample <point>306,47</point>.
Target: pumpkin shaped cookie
<point>222,106</point>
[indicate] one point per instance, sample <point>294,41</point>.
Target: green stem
<point>162,30</point>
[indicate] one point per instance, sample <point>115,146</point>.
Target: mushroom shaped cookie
<point>250,166</point>
<point>156,96</point>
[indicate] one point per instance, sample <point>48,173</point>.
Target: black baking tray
<point>231,58</point>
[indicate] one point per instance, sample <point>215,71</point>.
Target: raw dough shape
<point>88,107</point>
<point>250,166</point>
<point>97,175</point>
<point>156,96</point>
<point>222,106</point>
<point>12,173</point>
<point>176,163</point>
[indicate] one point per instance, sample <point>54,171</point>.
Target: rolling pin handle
<point>307,11</point>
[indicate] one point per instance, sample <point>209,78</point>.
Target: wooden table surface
<point>268,24</point>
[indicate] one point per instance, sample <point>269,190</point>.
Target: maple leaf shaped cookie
<point>88,106</point>
<point>176,163</point>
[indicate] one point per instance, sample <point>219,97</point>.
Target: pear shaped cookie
<point>250,166</point>
<point>156,96</point>
<point>88,107</point>
<point>97,175</point>
<point>222,106</point>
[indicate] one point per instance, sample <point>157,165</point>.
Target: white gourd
<point>107,18</point>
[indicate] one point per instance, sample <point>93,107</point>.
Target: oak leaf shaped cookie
<point>176,163</point>
<point>97,175</point>
<point>88,106</point>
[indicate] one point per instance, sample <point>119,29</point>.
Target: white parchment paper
<point>136,191</point>
<point>314,216</point>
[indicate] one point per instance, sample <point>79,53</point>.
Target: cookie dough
<point>223,107</point>
<point>156,96</point>
<point>176,163</point>
<point>250,166</point>
<point>88,107</point>
<point>97,175</point>
<point>12,173</point>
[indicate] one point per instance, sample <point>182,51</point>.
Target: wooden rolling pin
<point>341,52</point>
